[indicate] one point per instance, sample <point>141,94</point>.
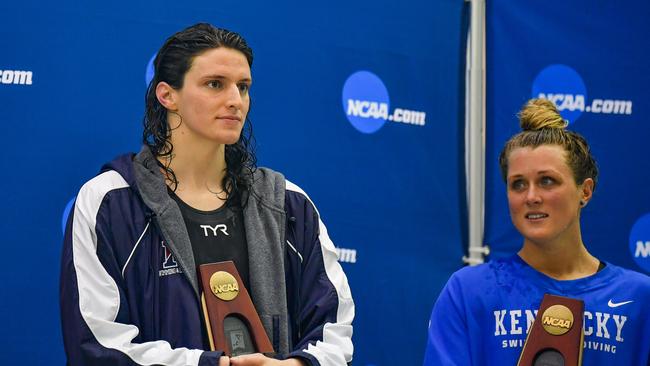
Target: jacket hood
<point>268,186</point>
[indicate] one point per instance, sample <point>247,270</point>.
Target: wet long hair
<point>542,124</point>
<point>172,62</point>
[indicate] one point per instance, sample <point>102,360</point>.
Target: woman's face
<point>214,101</point>
<point>543,196</point>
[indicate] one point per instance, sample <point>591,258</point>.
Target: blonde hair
<point>542,124</point>
<point>538,114</point>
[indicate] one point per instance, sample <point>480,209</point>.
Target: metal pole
<point>475,133</point>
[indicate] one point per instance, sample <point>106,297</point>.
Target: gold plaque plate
<point>557,320</point>
<point>224,285</point>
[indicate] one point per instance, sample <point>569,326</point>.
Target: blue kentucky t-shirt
<point>484,313</point>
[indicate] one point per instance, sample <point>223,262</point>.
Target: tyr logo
<point>221,227</point>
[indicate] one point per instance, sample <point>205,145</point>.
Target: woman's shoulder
<point>630,278</point>
<point>110,196</point>
<point>273,189</point>
<point>488,270</point>
<point>113,175</point>
<point>273,186</point>
<point>268,186</point>
<point>496,275</point>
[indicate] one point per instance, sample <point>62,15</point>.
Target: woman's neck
<point>199,170</point>
<point>560,260</point>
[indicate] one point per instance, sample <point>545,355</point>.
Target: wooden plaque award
<point>230,317</point>
<point>556,336</point>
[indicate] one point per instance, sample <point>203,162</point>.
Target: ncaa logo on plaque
<point>557,320</point>
<point>365,101</point>
<point>640,242</point>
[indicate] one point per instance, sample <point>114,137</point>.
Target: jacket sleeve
<point>448,339</point>
<point>326,308</point>
<point>94,312</point>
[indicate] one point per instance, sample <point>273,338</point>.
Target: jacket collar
<point>153,190</point>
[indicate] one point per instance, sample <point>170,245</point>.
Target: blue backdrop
<point>590,58</point>
<point>72,89</point>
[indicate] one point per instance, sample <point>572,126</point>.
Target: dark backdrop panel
<point>589,57</point>
<point>392,198</point>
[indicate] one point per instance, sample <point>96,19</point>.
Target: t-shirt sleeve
<point>448,338</point>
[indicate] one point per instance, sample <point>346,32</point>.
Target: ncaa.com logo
<point>640,242</point>
<point>66,213</point>
<point>16,77</point>
<point>367,105</point>
<point>346,255</point>
<point>564,86</point>
<point>148,74</point>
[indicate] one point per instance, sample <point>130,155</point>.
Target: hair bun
<point>539,114</point>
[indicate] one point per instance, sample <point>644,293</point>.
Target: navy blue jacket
<point>129,289</point>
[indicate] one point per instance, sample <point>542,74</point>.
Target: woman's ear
<point>586,191</point>
<point>166,96</point>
